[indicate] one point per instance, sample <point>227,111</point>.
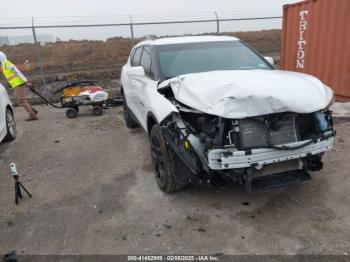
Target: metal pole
<point>37,52</point>
<point>131,28</point>
<point>217,23</point>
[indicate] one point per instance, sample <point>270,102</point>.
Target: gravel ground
<point>94,193</point>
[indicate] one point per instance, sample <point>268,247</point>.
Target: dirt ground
<point>94,193</point>
<point>102,60</point>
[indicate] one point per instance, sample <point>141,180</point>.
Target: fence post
<point>131,28</point>
<point>217,23</point>
<point>37,52</point>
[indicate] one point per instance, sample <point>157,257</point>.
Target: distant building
<point>15,40</point>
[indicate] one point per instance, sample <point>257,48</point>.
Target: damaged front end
<point>262,153</point>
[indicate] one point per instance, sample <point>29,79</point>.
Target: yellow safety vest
<point>11,77</point>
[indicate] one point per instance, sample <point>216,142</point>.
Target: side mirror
<point>270,60</point>
<point>136,71</point>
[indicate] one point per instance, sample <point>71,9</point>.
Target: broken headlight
<point>208,125</point>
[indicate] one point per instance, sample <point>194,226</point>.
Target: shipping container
<point>316,41</point>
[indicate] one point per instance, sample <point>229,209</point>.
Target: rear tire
<point>163,159</point>
<point>10,126</point>
<point>71,113</point>
<point>129,120</point>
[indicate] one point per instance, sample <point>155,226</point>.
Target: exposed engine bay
<point>262,152</point>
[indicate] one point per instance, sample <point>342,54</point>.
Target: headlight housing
<point>330,92</point>
<point>331,103</point>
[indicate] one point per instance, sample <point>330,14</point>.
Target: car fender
<point>125,82</point>
<point>4,103</point>
<point>159,108</point>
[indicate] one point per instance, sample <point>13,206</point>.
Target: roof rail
<point>150,37</point>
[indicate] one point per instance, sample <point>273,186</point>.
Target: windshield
<point>179,59</point>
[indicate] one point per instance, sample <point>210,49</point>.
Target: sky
<point>116,11</point>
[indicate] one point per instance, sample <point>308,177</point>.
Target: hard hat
<point>2,57</point>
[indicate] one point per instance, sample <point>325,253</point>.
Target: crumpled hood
<point>246,93</point>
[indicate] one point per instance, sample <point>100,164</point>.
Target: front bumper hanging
<point>230,158</point>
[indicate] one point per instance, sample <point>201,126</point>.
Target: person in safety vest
<point>17,81</point>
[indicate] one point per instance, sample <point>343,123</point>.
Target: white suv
<point>216,110</point>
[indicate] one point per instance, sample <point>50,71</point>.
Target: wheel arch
<point>9,107</point>
<point>151,121</point>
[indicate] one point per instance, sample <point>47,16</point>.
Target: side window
<point>132,55</point>
<point>146,61</point>
<point>137,57</point>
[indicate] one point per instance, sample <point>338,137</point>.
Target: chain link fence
<point>54,50</point>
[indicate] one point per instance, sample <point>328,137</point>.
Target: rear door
<point>141,84</point>
<point>131,83</point>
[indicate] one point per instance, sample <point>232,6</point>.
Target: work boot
<point>34,110</point>
<point>32,117</point>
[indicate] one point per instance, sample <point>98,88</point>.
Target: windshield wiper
<point>168,77</point>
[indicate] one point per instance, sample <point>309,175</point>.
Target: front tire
<point>10,126</point>
<point>163,159</point>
